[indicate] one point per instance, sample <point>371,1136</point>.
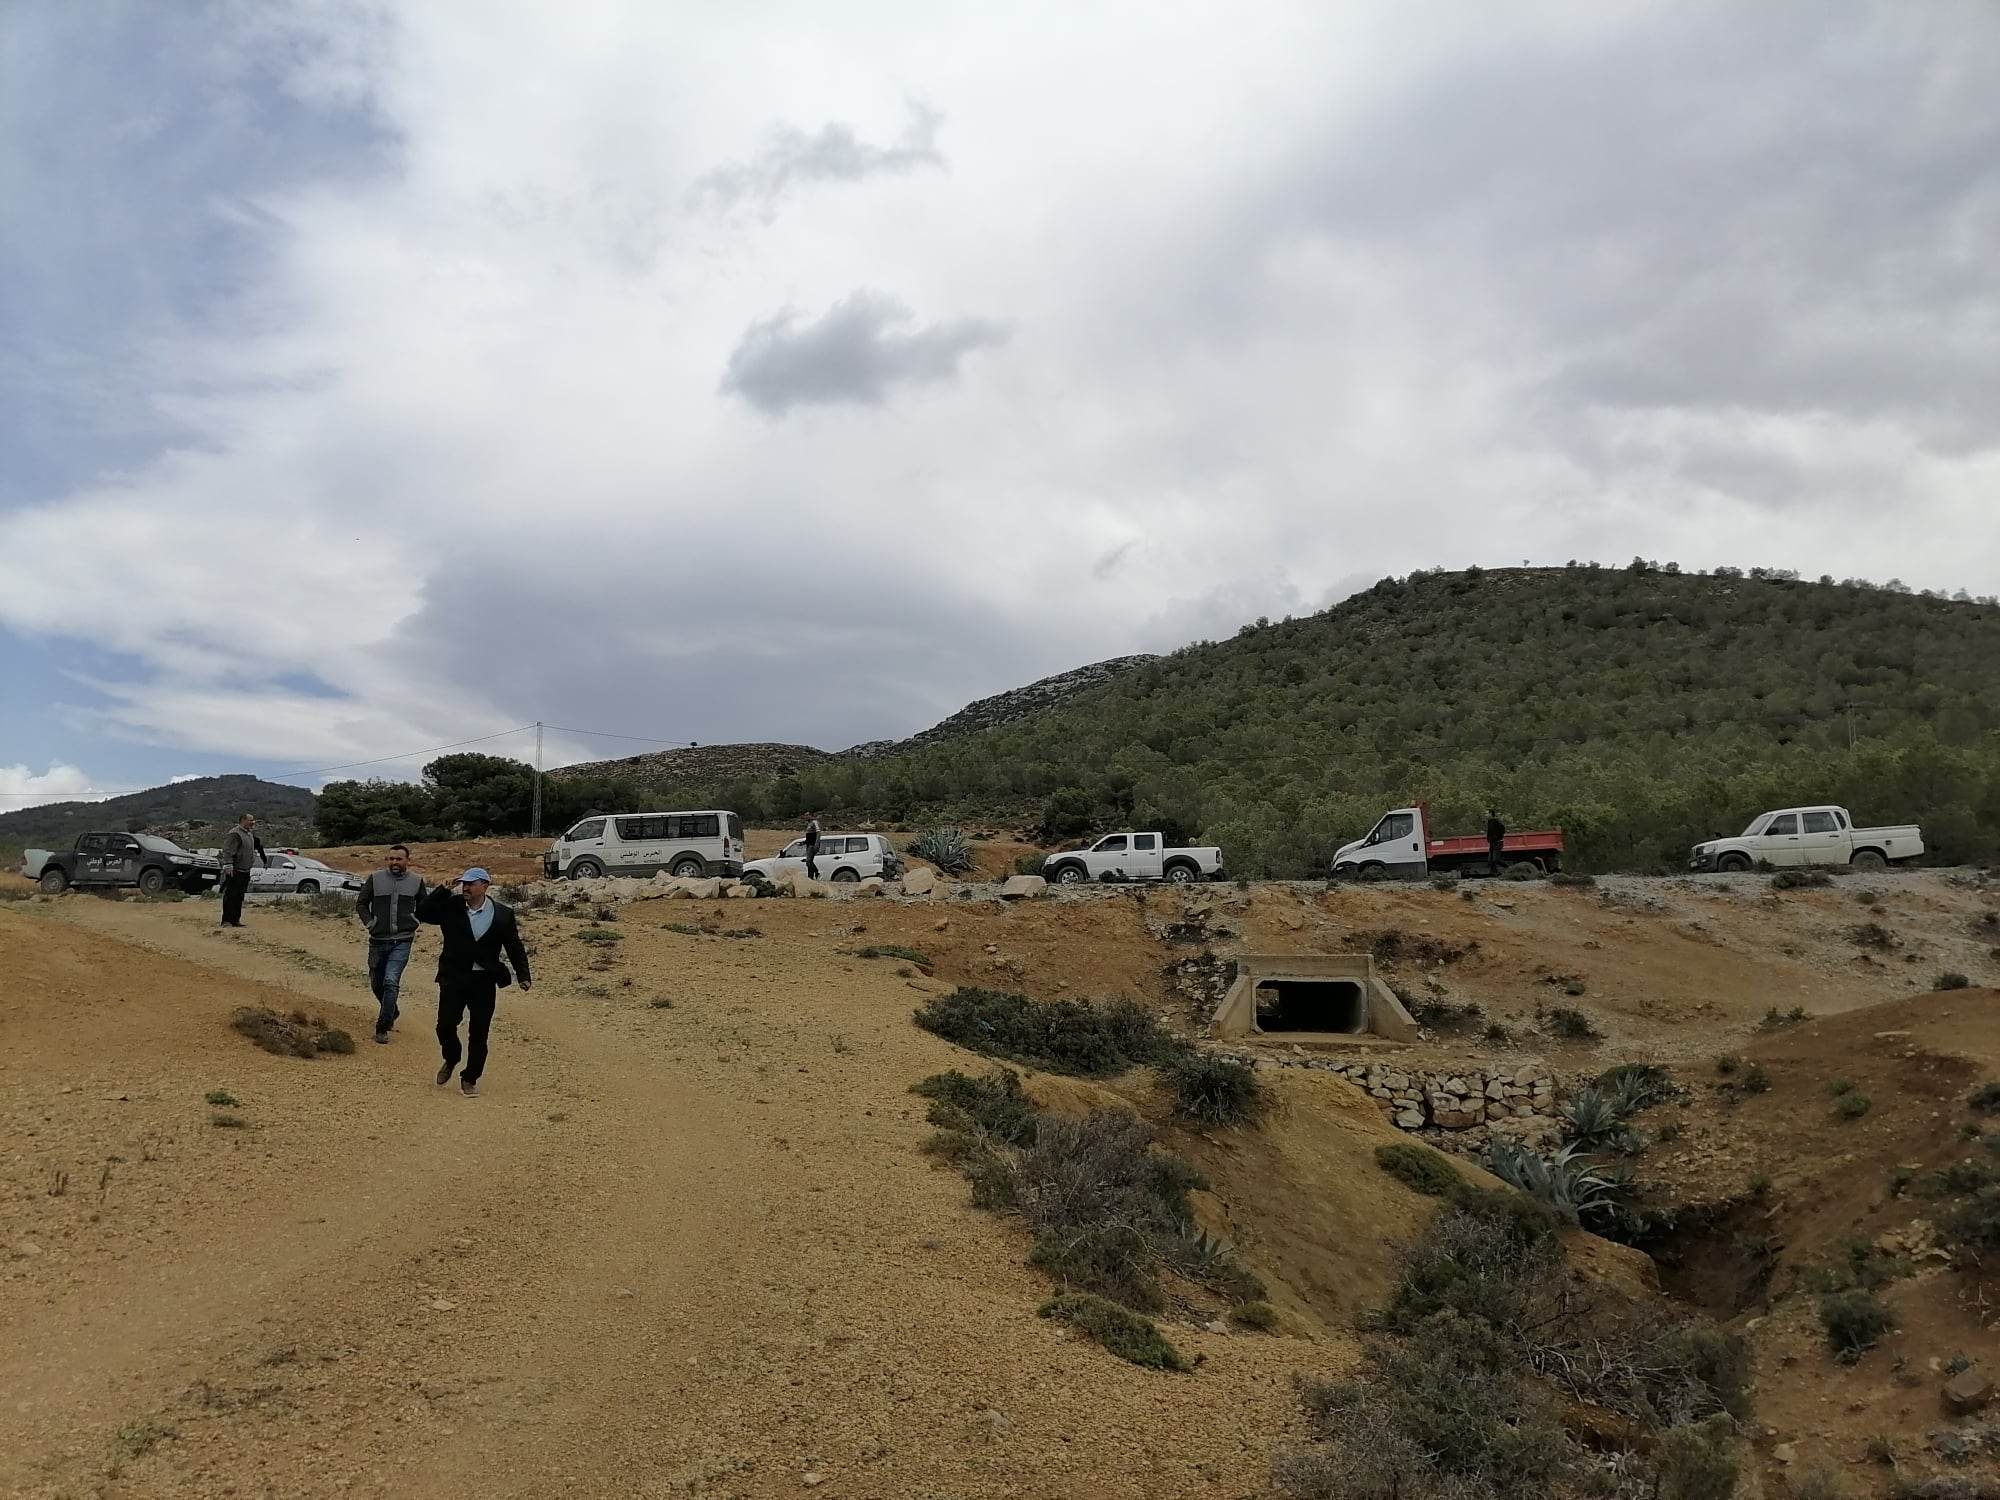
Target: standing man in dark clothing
<point>387,906</point>
<point>1496,834</point>
<point>812,846</point>
<point>239,847</point>
<point>470,972</point>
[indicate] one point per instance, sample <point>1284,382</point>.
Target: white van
<point>842,857</point>
<point>681,843</point>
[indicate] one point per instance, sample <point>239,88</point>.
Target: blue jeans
<point>386,958</point>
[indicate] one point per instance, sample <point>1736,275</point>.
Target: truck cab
<point>1403,845</point>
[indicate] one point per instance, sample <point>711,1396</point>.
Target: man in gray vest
<point>387,906</point>
<point>240,846</point>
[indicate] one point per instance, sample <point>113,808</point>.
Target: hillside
<point>1004,708</point>
<point>1638,708</point>
<point>208,804</point>
<point>663,771</point>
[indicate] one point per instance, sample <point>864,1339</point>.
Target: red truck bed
<point>1545,841</point>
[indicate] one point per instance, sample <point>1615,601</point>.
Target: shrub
<point>1793,880</point>
<point>1258,1315</point>
<point>295,1035</point>
<point>1419,1168</point>
<point>1566,1184</point>
<point>894,950</point>
<point>1728,1064</point>
<point>1030,864</point>
<point>1213,1090</point>
<point>1497,1034</point>
<point>1062,1036</point>
<point>1700,1461</point>
<point>1986,1098</point>
<point>229,1122</point>
<point>1592,1121</point>
<point>1850,1106</point>
<point>1478,1259</point>
<point>1951,980</point>
<point>1633,1087</point>
<point>1840,1086</point>
<point>1572,878</point>
<point>946,848</point>
<point>598,935</point>
<point>1444,882</point>
<point>1972,1228</point>
<point>221,1098</point>
<point>1872,935</point>
<point>1756,1080</point>
<point>995,1106</point>
<point>1571,1025</point>
<point>1854,1322</point>
<point>1132,1338</point>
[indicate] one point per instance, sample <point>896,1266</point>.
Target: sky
<point>376,377</point>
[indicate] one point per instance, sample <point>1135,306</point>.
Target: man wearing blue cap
<point>471,971</point>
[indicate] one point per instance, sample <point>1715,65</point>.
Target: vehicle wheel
<point>152,881</point>
<point>1180,872</point>
<point>1869,859</point>
<point>1732,864</point>
<point>1071,874</point>
<point>586,869</point>
<point>53,882</point>
<point>308,887</point>
<point>1524,869</point>
<point>846,875</point>
<point>1374,870</point>
<point>689,869</point>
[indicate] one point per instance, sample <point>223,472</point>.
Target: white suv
<point>842,857</point>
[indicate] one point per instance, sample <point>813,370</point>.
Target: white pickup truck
<point>1133,856</point>
<point>1823,835</point>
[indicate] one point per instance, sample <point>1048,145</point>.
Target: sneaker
<point>382,1037</point>
<point>444,1074</point>
<point>469,1087</point>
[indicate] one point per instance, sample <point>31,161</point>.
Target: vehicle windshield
<point>158,845</point>
<point>1756,824</point>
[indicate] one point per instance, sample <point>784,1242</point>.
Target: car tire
<point>1071,874</point>
<point>1732,864</point>
<point>152,881</point>
<point>689,869</point>
<point>1374,870</point>
<point>1868,859</point>
<point>846,875</point>
<point>308,888</point>
<point>53,881</point>
<point>586,869</point>
<point>1180,872</point>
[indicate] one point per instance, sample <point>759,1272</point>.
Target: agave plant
<point>1636,1086</point>
<point>1567,1183</point>
<point>1593,1121</point>
<point>944,847</point>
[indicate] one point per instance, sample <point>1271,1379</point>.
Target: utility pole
<point>535,820</point>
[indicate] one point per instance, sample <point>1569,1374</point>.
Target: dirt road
<point>670,1251</point>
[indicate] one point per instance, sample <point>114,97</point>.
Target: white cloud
<point>21,787</point>
<point>1288,306</point>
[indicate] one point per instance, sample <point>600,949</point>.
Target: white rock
<point>919,881</point>
<point>1019,886</point>
<point>1410,1119</point>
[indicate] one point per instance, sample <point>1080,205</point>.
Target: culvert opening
<point>1332,1005</point>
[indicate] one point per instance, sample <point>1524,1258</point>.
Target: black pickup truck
<point>142,859</point>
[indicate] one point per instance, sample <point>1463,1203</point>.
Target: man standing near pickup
<point>812,846</point>
<point>1496,835</point>
<point>470,970</point>
<point>239,847</point>
<point>387,906</point>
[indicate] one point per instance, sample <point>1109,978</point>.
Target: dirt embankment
<point>686,1244</point>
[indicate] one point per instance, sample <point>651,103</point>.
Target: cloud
<point>851,354</point>
<point>833,153</point>
<point>61,782</point>
<point>407,405</point>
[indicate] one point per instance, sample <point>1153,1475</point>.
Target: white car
<point>1134,856</point>
<point>296,875</point>
<point>842,857</point>
<point>1823,835</point>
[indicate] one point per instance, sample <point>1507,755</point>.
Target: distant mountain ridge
<point>191,809</point>
<point>1004,708</point>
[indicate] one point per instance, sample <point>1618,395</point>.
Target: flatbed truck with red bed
<point>1402,846</point>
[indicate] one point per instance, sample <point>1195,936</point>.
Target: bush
<point>1572,878</point>
<point>1030,864</point>
<point>1951,980</point>
<point>1872,935</point>
<point>1132,1338</point>
<point>1854,1322</point>
<point>1061,1036</point>
<point>1258,1315</point>
<point>1850,1106</point>
<point>995,1106</point>
<point>1592,1121</point>
<point>1633,1087</point>
<point>945,848</point>
<point>1756,1080</point>
<point>1479,1259</point>
<point>1973,1227</point>
<point>221,1098</point>
<point>1700,1461</point>
<point>599,935</point>
<point>295,1035</point>
<point>1571,1024</point>
<point>1419,1168</point>
<point>1794,880</point>
<point>893,950</point>
<point>1566,1184</point>
<point>1986,1098</point>
<point>1213,1090</point>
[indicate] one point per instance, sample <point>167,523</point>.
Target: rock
<point>921,881</point>
<point>1892,1036</point>
<point>1409,1119</point>
<point>1496,1090</point>
<point>704,890</point>
<point>1018,887</point>
<point>1397,1080</point>
<point>27,1250</point>
<point>1786,1453</point>
<point>1967,1392</point>
<point>812,1479</point>
<point>1457,1087</point>
<point>995,1422</point>
<point>439,1304</point>
<point>872,886</point>
<point>740,890</point>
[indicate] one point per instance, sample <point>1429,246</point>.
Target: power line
<point>408,754</point>
<point>605,734</point>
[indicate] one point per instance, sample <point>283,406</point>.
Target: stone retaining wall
<point>1415,1100</point>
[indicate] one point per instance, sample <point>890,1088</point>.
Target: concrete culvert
<point>1338,1006</point>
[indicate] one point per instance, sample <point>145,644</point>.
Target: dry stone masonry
<point>1464,1100</point>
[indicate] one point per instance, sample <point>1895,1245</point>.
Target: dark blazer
<point>444,909</point>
